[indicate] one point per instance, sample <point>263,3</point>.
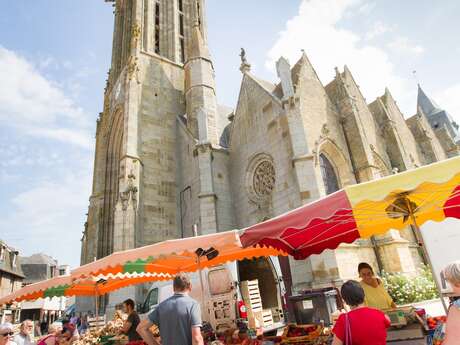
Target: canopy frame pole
<point>421,243</point>
<point>200,273</point>
<point>96,304</point>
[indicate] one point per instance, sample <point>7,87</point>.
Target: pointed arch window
<point>156,35</point>
<point>181,31</point>
<point>330,180</point>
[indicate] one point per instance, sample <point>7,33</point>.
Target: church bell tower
<point>133,200</point>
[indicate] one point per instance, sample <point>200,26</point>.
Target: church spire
<point>197,47</point>
<point>200,95</point>
<point>425,103</point>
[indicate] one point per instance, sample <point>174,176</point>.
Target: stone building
<point>38,267</point>
<point>169,156</point>
<point>11,278</point>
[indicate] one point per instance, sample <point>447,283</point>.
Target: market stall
<point>407,199</point>
<point>360,211</point>
<point>147,264</point>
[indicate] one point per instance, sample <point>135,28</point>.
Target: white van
<point>222,304</point>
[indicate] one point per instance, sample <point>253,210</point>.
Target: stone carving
<point>324,131</point>
<point>130,192</point>
<point>245,65</point>
<point>264,179</point>
<point>243,56</point>
<point>135,34</point>
<point>260,179</point>
<point>322,138</point>
<point>133,68</point>
<point>107,81</point>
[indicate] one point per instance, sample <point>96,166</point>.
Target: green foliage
<point>404,289</point>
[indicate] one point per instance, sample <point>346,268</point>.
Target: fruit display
<point>292,334</point>
<point>102,335</point>
<point>302,334</point>
<point>433,322</point>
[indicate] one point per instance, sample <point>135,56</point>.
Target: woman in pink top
<point>452,274</point>
<point>56,336</point>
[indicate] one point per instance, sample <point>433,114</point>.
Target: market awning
<point>69,286</point>
<point>431,192</point>
<point>174,256</point>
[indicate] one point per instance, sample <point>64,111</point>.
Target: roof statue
<point>245,65</point>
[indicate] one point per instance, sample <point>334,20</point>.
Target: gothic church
<point>168,156</point>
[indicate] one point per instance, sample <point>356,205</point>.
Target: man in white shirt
<point>25,335</point>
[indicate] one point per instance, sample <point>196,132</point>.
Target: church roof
<point>424,102</point>
<point>436,115</point>
<point>268,86</point>
<point>37,259</point>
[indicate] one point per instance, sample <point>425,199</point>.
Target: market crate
<point>95,322</point>
<point>306,333</point>
<point>267,317</point>
<point>251,294</point>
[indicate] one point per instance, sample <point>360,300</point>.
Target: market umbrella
<point>410,198</point>
<point>431,192</point>
<point>174,256</point>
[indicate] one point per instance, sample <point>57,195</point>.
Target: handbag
<point>348,338</point>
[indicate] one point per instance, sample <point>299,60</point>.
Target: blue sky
<point>54,56</point>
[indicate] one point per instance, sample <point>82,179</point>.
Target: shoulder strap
<point>348,338</point>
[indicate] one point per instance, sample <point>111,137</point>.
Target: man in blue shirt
<point>178,317</point>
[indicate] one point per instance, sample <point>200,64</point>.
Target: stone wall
<point>160,100</point>
<point>259,135</point>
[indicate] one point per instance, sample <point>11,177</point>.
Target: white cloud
<point>378,29</point>
<point>49,217</point>
<point>402,45</point>
<point>449,99</point>
<point>70,136</point>
<point>35,105</point>
<point>366,8</point>
<point>315,28</point>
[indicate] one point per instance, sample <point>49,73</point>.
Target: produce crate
<point>267,318</point>
<point>294,334</point>
<point>96,322</point>
<point>251,294</point>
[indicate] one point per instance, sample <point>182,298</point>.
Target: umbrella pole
<point>428,258</point>
<point>96,304</point>
<point>200,273</point>
<point>201,282</point>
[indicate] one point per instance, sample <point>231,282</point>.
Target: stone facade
<point>11,280</point>
<point>168,156</point>
<point>39,267</point>
<point>11,274</point>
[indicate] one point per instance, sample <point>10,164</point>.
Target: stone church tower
<point>168,156</point>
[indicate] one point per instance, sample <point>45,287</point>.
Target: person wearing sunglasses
<point>6,334</point>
